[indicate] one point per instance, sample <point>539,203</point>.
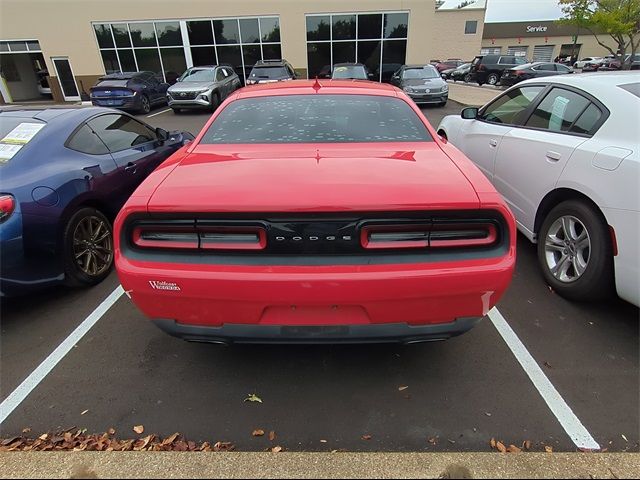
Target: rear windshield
<point>317,119</point>
<point>351,71</point>
<point>421,72</point>
<point>15,133</point>
<point>633,88</point>
<point>269,72</point>
<point>112,83</point>
<point>203,75</point>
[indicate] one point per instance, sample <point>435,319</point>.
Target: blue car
<point>64,175</point>
<point>131,91</point>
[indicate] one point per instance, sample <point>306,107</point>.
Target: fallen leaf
<point>366,437</point>
<point>84,411</point>
<point>513,449</point>
<point>138,429</point>
<point>548,448</point>
<point>26,430</point>
<point>169,440</point>
<point>276,449</point>
<point>487,414</point>
<point>526,444</point>
<point>111,431</point>
<point>492,442</point>
<point>253,398</point>
<point>323,441</point>
<point>258,433</point>
<point>546,364</point>
<point>272,435</point>
<point>451,441</point>
<point>43,437</point>
<point>223,446</point>
<point>624,438</point>
<point>433,440</point>
<point>334,451</point>
<point>501,448</point>
<point>403,387</point>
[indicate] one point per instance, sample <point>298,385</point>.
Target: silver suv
<point>202,87</point>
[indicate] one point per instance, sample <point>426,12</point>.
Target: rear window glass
<point>112,83</point>
<point>317,119</point>
<point>354,71</point>
<point>7,124</point>
<point>633,88</point>
<point>269,72</point>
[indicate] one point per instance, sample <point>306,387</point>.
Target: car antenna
<point>316,85</point>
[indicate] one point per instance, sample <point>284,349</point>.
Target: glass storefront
<point>168,48</point>
<point>378,40</point>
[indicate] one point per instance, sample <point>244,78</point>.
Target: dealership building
<point>74,42</point>
<point>541,41</point>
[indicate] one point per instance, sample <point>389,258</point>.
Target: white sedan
<point>564,152</point>
<point>581,63</point>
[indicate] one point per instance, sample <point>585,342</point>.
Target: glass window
<point>269,73</point>
<point>393,57</point>
<point>127,62</point>
<point>317,119</point>
<point>103,34</point>
<point>251,54</point>
<point>319,60</point>
<point>344,52</point>
<point>143,35</point>
<point>110,61</point>
<point>508,107</point>
<point>18,46</point>
<point>200,32</point>
<point>270,28</point>
<point>547,67</point>
<point>148,59</point>
<point>344,27</point>
<point>121,34</point>
<point>558,110</point>
<point>249,32</point>
<point>120,132</point>
<point>470,27</point>
<point>588,120</point>
<point>169,33</point>
<point>318,27</point>
<point>396,25</point>
<point>220,76</point>
<point>350,71</point>
<point>271,51</point>
<point>418,73</point>
<point>4,46</point>
<point>370,26</point>
<point>198,75</point>
<point>35,45</point>
<point>369,54</point>
<point>173,62</point>
<point>85,141</point>
<point>203,56</point>
<point>231,56</point>
<point>633,88</point>
<point>226,31</point>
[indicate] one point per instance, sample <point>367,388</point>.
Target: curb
<point>316,465</point>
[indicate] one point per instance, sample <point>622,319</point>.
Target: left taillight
<point>7,206</point>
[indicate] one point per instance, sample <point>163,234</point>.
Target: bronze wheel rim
<point>92,246</point>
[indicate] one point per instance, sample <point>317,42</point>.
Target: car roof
<point>124,75</point>
<point>424,65</point>
<point>306,87</point>
<point>348,64</point>
<point>274,62</point>
<point>595,80</point>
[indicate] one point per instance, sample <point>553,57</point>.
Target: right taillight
<point>463,235</point>
<point>7,206</point>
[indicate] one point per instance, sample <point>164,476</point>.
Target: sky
<point>517,10</point>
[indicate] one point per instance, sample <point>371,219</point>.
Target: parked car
<point>610,64</point>
<point>422,83</point>
<point>388,69</point>
<point>489,68</point>
<point>581,63</point>
<point>203,87</point>
<point>129,91</point>
<point>514,75</point>
<point>269,71</point>
<point>353,71</point>
<point>461,73</point>
<point>347,220</point>
<point>64,181</point>
<point>563,151</point>
<point>43,82</point>
<point>448,64</point>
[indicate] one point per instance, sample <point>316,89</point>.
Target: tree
<point>619,19</point>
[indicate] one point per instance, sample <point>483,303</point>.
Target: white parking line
<point>159,113</point>
<point>571,424</point>
<point>26,387</point>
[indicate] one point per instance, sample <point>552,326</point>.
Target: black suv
<point>489,68</point>
<point>267,71</point>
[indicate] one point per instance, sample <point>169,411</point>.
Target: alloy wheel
<point>567,248</point>
<point>92,246</point>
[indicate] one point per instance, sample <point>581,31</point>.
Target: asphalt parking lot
<point>460,393</point>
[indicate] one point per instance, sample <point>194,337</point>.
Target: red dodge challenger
<point>310,212</point>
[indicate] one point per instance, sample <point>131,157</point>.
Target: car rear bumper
<point>130,103</point>
<point>387,333</point>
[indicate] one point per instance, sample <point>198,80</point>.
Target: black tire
<point>215,101</point>
<point>596,279</point>
<point>177,111</point>
<point>145,104</point>
<point>493,79</point>
<point>442,104</point>
<point>467,78</point>
<point>79,271</point>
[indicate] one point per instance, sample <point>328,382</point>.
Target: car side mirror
<point>162,134</point>
<point>469,113</point>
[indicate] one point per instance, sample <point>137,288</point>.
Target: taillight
<point>194,238</point>
<point>519,73</point>
<point>436,235</point>
<point>7,206</point>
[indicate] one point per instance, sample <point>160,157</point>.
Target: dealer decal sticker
<point>162,285</point>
